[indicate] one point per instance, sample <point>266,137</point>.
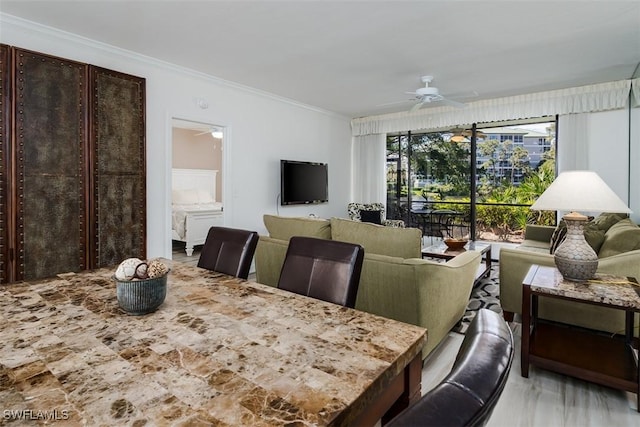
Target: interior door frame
<point>223,173</point>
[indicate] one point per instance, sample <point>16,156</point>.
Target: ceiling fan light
<point>458,138</point>
<point>217,133</point>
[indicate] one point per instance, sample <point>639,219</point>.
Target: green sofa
<point>616,240</point>
<point>395,282</point>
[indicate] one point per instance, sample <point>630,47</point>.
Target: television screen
<point>303,182</point>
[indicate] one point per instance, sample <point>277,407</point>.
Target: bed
<point>194,206</point>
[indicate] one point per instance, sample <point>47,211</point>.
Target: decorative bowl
<point>455,244</point>
<point>138,297</point>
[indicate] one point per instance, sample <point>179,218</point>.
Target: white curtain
<point>635,92</point>
<point>573,141</point>
<point>583,99</point>
<point>368,171</point>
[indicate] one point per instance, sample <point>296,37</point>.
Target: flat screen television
<point>303,182</point>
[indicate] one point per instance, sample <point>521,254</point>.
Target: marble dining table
<point>219,351</point>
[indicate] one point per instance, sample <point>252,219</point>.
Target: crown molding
<point>20,24</point>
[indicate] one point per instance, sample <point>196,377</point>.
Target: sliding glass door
<point>484,179</point>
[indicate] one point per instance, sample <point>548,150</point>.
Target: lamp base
<point>574,258</point>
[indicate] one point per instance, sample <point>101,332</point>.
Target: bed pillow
<point>185,197</point>
<point>204,197</point>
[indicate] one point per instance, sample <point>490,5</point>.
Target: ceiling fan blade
<point>202,133</point>
<point>394,103</point>
<point>416,107</point>
<point>453,103</point>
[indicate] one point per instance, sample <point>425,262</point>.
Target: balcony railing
<point>500,222</point>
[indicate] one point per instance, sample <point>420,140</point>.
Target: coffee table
<point>601,358</point>
<point>442,251</point>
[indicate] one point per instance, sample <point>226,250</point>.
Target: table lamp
<point>578,191</point>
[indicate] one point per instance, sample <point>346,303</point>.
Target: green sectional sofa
<point>616,240</point>
<point>395,282</point>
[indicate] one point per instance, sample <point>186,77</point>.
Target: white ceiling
<point>351,56</point>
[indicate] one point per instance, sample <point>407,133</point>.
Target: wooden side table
<point>581,353</point>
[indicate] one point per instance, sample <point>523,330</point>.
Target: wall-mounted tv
<point>303,182</point>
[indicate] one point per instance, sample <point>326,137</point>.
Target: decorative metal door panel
<point>72,171</point>
<point>120,174</point>
<point>5,133</point>
<point>50,158</point>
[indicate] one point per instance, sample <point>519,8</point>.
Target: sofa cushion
<point>605,220</point>
<point>624,236</point>
<point>534,246</point>
<point>283,228</point>
<point>374,217</point>
<point>378,239</point>
<point>594,230</point>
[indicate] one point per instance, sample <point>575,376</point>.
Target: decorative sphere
<point>141,271</point>
<point>127,269</point>
<point>156,268</point>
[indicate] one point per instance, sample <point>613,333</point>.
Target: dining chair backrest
<point>229,251</point>
<point>469,393</point>
<point>328,270</point>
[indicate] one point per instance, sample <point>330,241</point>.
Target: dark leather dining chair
<point>328,270</point>
<point>469,393</point>
<point>229,251</point>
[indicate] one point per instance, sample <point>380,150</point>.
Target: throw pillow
<point>624,236</point>
<point>592,234</point>
<point>370,216</point>
<point>185,197</point>
<point>558,237</point>
<point>605,220</point>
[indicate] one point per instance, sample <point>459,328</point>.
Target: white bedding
<point>194,206</point>
<point>180,212</point>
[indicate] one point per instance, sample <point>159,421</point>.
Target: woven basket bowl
<point>138,297</point>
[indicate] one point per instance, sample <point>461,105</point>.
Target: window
<point>429,170</point>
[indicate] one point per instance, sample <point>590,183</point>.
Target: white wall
<point>260,129</point>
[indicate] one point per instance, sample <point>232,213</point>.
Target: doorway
<point>197,196</point>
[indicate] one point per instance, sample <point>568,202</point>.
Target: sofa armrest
<point>514,265</point>
<point>624,264</point>
<point>425,293</point>
<point>443,291</point>
<point>541,233</point>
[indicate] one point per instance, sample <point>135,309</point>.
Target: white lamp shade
<point>581,191</point>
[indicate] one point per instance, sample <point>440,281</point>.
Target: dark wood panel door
<point>5,133</point>
<point>118,141</point>
<point>50,155</point>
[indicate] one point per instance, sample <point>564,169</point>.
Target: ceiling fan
<point>428,94</point>
<point>214,131</point>
<point>462,135</point>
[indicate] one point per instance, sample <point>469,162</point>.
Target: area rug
<point>485,294</point>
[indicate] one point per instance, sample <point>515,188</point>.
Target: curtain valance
<point>582,99</point>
